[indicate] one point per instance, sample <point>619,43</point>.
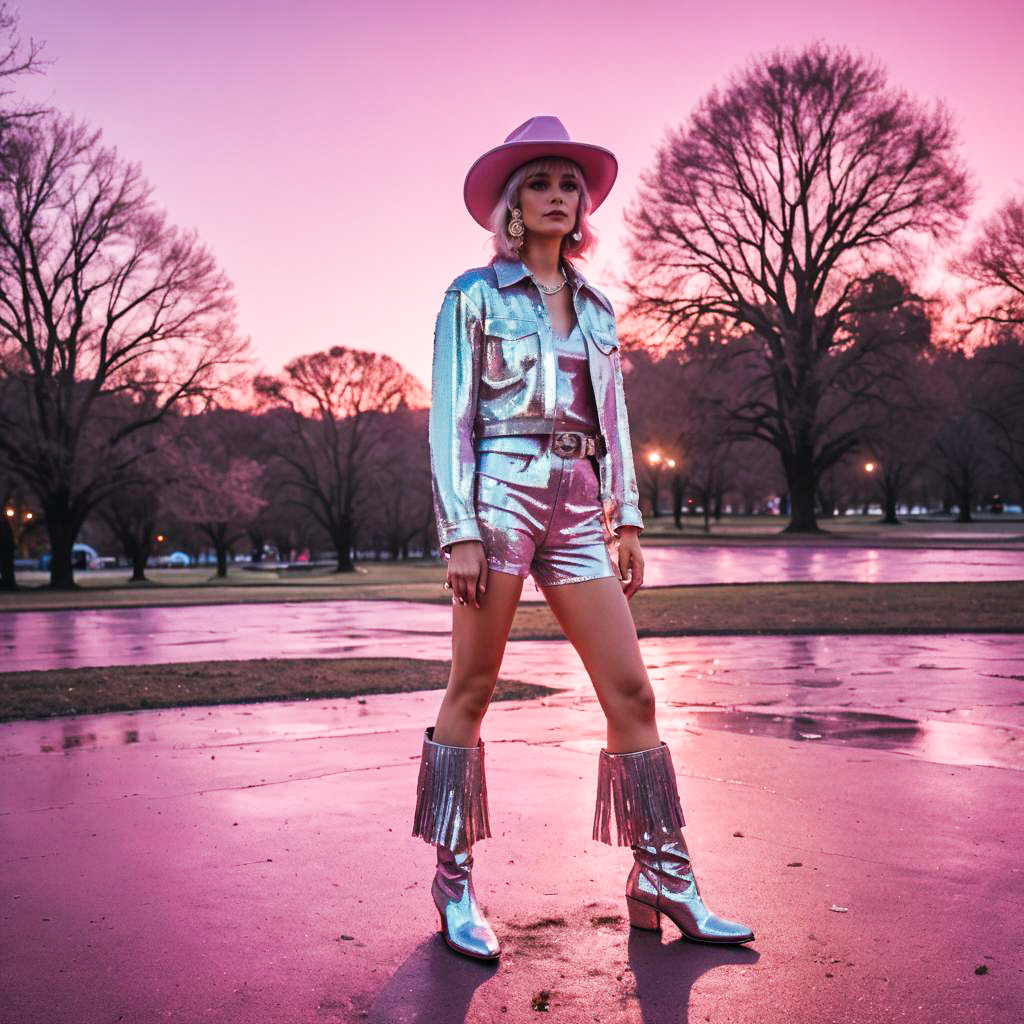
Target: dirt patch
<point>84,691</point>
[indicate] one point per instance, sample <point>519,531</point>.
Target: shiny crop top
<point>575,408</point>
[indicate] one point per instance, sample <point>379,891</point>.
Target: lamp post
<point>654,461</point>
<point>15,524</point>
<point>658,464</point>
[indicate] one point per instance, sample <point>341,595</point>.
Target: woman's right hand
<point>467,572</point>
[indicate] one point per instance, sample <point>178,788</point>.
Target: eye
<point>538,184</point>
<point>572,186</point>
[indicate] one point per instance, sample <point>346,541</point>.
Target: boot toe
<point>718,929</point>
<point>476,940</point>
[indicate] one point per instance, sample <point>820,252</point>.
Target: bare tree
<point>214,489</point>
<point>16,60</point>
<point>134,503</point>
<point>771,207</point>
<point>995,261</point>
<point>336,405</point>
<point>398,504</point>
<point>964,455</point>
<point>1000,401</point>
<point>103,305</point>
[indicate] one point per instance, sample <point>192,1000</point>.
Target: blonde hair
<point>503,242</point>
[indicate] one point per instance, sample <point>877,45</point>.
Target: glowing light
<point>869,467</point>
<point>671,463</point>
<point>159,538</point>
<point>654,458</point>
<point>28,515</point>
<point>10,513</point>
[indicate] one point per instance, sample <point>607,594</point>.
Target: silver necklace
<point>550,291</point>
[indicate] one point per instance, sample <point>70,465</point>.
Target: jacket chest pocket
<point>511,351</point>
<point>605,341</point>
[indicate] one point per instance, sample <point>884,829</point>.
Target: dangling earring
<point>516,228</point>
<point>577,235</point>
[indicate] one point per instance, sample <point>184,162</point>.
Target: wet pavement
<point>774,563</point>
<point>855,800</point>
<point>224,632</point>
<point>949,699</point>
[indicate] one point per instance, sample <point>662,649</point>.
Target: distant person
<point>533,474</point>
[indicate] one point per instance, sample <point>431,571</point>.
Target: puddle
<point>71,740</point>
<point>952,742</point>
<point>857,728</point>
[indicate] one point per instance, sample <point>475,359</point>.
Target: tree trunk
<point>890,493</point>
<point>802,491</point>
<point>343,544</point>
<point>258,542</point>
<point>62,531</point>
<point>678,490</point>
<point>7,580</point>
<point>655,494</point>
<point>964,495</point>
<point>139,555</point>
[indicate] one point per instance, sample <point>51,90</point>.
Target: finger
<point>625,565</point>
<point>482,581</point>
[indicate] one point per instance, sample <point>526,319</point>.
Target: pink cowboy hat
<point>538,137</point>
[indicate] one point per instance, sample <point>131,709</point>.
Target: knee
<point>470,695</point>
<point>636,702</point>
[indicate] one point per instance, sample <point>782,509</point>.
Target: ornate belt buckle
<point>566,443</point>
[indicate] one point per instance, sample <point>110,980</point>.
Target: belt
<point>569,444</point>
<point>572,444</point>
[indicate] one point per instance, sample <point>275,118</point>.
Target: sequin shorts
<point>540,515</point>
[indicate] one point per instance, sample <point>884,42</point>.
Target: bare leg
<point>596,619</point>
<point>478,645</point>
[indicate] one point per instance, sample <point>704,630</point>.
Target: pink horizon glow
<point>320,148</point>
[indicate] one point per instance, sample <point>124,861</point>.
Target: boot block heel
<point>643,916</point>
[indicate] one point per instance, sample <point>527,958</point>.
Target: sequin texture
<point>495,375</point>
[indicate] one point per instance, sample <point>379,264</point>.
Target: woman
<point>533,474</point>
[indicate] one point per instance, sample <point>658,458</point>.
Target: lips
<point>556,213</point>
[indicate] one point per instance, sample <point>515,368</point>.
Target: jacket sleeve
<point>625,510</point>
<point>454,387</point>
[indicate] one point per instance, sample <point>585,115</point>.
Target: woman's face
<point>550,201</point>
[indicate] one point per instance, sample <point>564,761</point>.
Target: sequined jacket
<point>494,373</point>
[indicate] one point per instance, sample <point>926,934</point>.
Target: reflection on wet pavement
<point>861,728</point>
<point>227,632</point>
<point>955,700</point>
<point>673,566</point>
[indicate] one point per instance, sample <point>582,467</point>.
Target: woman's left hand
<point>631,560</point>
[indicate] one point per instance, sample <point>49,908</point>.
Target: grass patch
<point>87,691</point>
<point>780,608</point>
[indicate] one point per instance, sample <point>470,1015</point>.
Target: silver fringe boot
<point>640,787</point>
<point>451,813</point>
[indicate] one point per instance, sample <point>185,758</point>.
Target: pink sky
<point>320,147</point>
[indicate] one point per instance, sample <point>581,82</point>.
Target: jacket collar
<point>510,272</point>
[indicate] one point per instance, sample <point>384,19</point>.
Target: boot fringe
<point>640,787</point>
<point>451,795</point>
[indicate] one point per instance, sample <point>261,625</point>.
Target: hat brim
<point>486,178</point>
